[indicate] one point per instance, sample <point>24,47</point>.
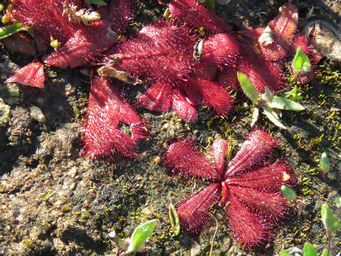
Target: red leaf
<point>219,149</point>
<point>248,228</point>
<point>183,158</point>
<point>106,111</point>
<point>256,148</point>
<point>195,15</point>
<point>158,97</point>
<point>118,14</point>
<point>82,47</point>
<point>194,213</point>
<point>220,50</point>
<point>228,78</point>
<point>283,29</point>
<point>185,109</point>
<point>271,205</point>
<point>159,53</point>
<point>30,75</point>
<point>269,178</point>
<point>213,95</point>
<point>263,73</point>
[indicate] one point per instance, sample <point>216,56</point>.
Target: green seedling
<point>309,250</point>
<point>324,163</point>
<point>174,220</point>
<point>11,30</point>
<point>330,221</point>
<point>294,94</point>
<point>325,252</point>
<point>288,193</point>
<point>140,235</point>
<point>301,62</point>
<point>267,101</point>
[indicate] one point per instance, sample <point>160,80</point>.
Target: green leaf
<point>267,96</point>
<point>98,2</point>
<point>140,235</point>
<point>273,117</point>
<point>325,252</point>
<point>338,202</point>
<point>284,253</point>
<point>285,104</point>
<point>288,193</point>
<point>248,88</point>
<point>301,62</point>
<point>329,220</point>
<point>174,219</point>
<point>324,163</point>
<point>309,250</point>
<point>11,29</point>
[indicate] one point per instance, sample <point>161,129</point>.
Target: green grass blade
<point>140,235</point>
<point>285,104</point>
<point>174,220</point>
<point>273,117</point>
<point>11,30</point>
<point>248,88</point>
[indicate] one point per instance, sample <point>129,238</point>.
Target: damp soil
<point>53,201</point>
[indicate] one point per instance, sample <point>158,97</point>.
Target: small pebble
<point>157,160</point>
<point>37,114</point>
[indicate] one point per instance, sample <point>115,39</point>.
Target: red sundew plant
<point>81,32</point>
<point>81,39</point>
<point>182,68</point>
<point>106,112</point>
<point>162,54</point>
<point>248,187</point>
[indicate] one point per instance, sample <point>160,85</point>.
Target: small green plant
<point>301,62</point>
<point>331,224</point>
<point>267,101</point>
<point>294,94</point>
<point>309,250</point>
<point>11,30</point>
<point>140,235</point>
<point>174,220</point>
<point>324,163</point>
<point>330,221</point>
<point>288,193</point>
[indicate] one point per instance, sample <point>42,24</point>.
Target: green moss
<point>4,113</point>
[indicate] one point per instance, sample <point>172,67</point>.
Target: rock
<point>19,130</point>
<point>37,115</point>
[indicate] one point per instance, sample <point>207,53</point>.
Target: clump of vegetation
<point>266,101</point>
<point>247,180</point>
